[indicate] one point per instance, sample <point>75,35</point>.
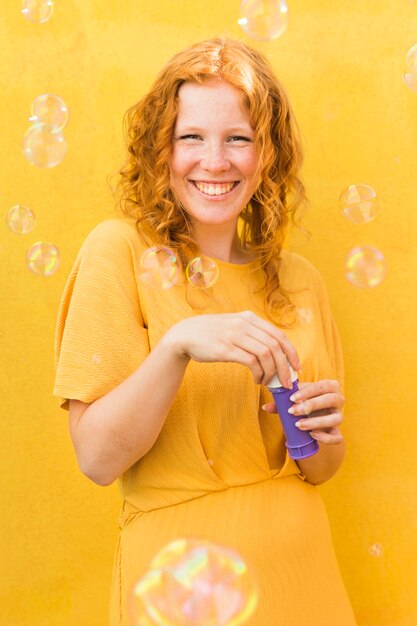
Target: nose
<point>215,159</point>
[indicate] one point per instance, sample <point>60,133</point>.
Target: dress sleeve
<point>100,337</point>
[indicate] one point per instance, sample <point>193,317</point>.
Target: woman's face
<point>214,161</point>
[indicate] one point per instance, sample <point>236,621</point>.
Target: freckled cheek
<point>181,162</point>
<point>249,166</point>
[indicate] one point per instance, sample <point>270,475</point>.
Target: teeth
<point>214,190</point>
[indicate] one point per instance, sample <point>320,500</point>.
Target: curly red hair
<point>145,180</point>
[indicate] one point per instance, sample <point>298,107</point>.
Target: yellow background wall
<point>342,64</point>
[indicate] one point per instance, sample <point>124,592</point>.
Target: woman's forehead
<point>211,98</point>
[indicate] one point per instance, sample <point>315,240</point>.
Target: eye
<point>240,138</point>
<point>189,137</point>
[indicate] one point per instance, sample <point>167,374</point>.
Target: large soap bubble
<point>202,272</point>
<point>195,583</point>
<point>359,203</point>
<point>20,219</point>
<point>410,76</point>
<point>365,267</point>
<point>263,19</point>
<point>43,258</point>
<point>44,146</point>
<point>159,267</point>
<point>50,110</point>
<point>38,11</point>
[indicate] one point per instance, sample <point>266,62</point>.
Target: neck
<point>224,246</point>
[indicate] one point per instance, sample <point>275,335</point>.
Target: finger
<point>239,355</point>
<point>319,403</point>
<point>263,354</point>
<point>319,387</point>
<point>290,352</point>
<point>282,369</point>
<point>269,353</point>
<point>332,437</point>
<point>270,407</point>
<point>323,421</point>
<point>310,390</point>
<point>286,345</point>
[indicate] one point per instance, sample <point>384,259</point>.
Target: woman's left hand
<point>321,403</point>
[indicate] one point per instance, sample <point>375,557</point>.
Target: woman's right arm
<point>116,430</point>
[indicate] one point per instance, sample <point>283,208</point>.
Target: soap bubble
<point>359,203</point>
<point>263,19</point>
<point>376,550</point>
<point>195,583</point>
<point>44,146</point>
<point>365,267</point>
<point>202,272</point>
<point>43,258</point>
<point>138,612</point>
<point>50,110</point>
<point>38,11</point>
<point>159,267</point>
<point>410,77</point>
<point>20,219</point>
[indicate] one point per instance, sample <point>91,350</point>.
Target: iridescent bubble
<point>38,11</point>
<point>359,203</point>
<point>263,19</point>
<point>202,272</point>
<point>376,550</point>
<point>365,267</point>
<point>20,219</point>
<point>159,267</point>
<point>138,613</point>
<point>195,583</point>
<point>410,76</point>
<point>44,146</point>
<point>43,258</point>
<point>50,110</point>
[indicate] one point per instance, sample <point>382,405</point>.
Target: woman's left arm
<point>321,404</point>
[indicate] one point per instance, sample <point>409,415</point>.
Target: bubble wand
<point>300,443</point>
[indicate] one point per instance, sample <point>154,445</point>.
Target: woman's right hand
<point>242,337</point>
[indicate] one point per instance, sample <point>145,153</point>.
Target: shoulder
<point>113,230</point>
<point>115,236</point>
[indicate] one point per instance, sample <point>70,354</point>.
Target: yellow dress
<point>218,471</point>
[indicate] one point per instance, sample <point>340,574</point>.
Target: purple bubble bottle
<point>300,443</point>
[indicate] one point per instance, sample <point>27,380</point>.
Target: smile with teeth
<point>214,189</point>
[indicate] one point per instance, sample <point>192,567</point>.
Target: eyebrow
<point>198,129</point>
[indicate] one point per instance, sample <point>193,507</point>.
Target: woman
<point>166,389</point>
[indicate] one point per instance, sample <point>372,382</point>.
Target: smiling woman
<point>172,400</point>
<point>265,111</point>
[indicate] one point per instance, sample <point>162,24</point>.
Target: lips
<point>214,189</point>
